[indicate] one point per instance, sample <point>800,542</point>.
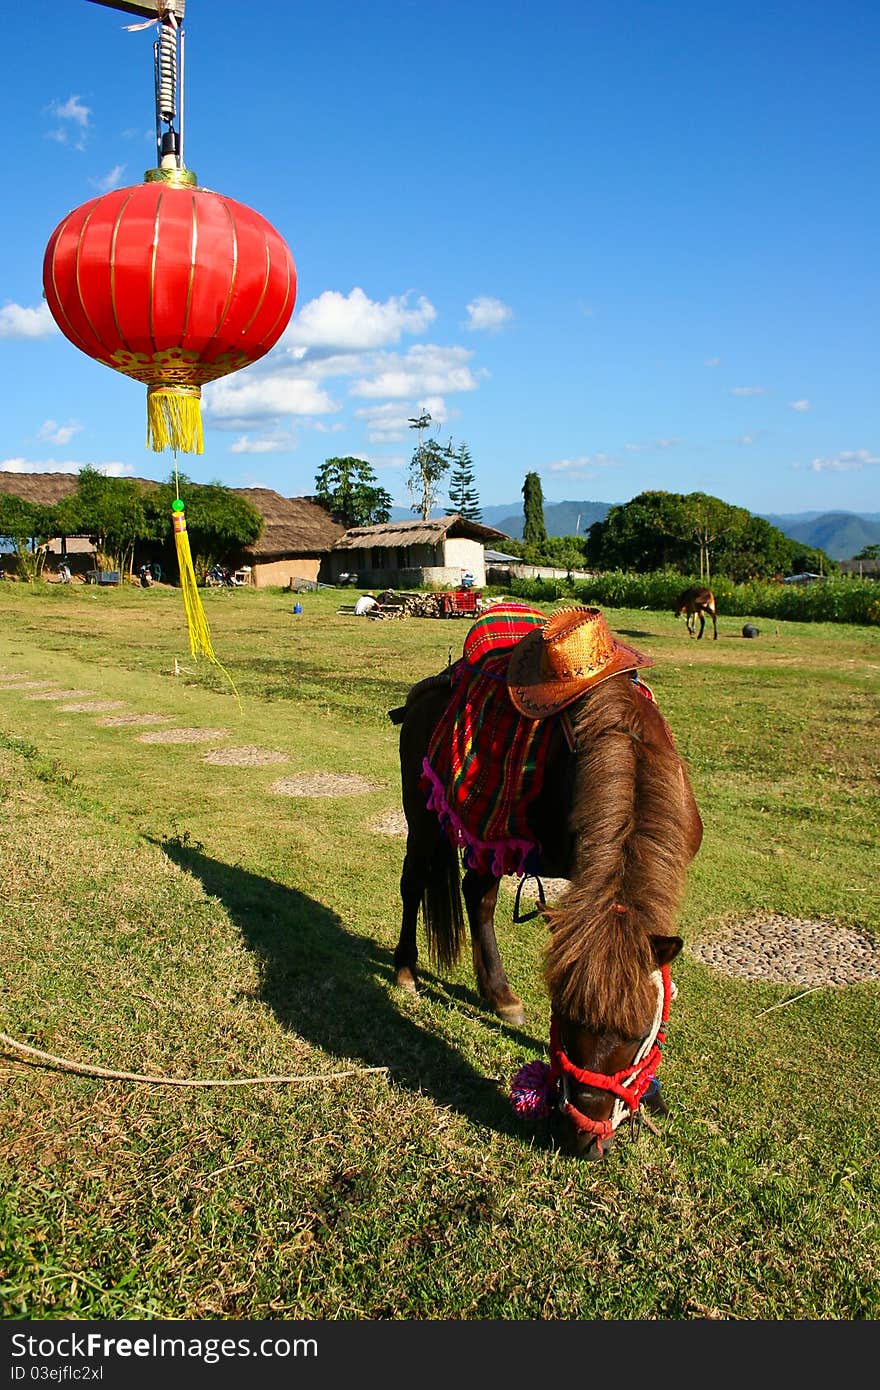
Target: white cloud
<point>487,314</point>
<point>355,322</point>
<point>18,322</point>
<point>712,362</point>
<point>236,398</point>
<point>653,444</point>
<point>745,439</point>
<point>748,390</point>
<point>586,466</point>
<point>424,370</point>
<point>75,120</point>
<point>799,405</point>
<point>54,433</point>
<point>20,465</point>
<point>72,110</point>
<point>389,422</point>
<point>265,444</point>
<point>112,179</point>
<point>847,462</point>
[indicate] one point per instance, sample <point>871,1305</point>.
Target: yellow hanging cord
<point>199,634</point>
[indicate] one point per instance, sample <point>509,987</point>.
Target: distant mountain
<point>560,518</point>
<point>840,534</point>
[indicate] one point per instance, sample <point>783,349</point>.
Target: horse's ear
<point>666,948</point>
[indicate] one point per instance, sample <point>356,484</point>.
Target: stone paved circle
<point>791,950</point>
<point>244,757</point>
<point>91,706</point>
<point>58,695</point>
<point>322,784</point>
<point>389,823</point>
<point>119,721</point>
<point>182,735</point>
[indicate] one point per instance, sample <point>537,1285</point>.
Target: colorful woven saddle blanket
<point>486,763</point>
<point>485,768</point>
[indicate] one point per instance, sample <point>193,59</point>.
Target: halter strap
<point>629,1085</point>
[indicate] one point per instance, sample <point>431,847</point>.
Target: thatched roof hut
<point>418,532</point>
<point>297,534</point>
<point>291,525</point>
<point>48,489</point>
<point>297,531</point>
<point>443,552</point>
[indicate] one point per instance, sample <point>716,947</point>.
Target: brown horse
<point>696,603</point>
<point>616,817</point>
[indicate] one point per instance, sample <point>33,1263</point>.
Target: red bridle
<point>628,1085</point>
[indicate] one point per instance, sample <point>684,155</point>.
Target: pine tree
<point>534,529</point>
<point>463,494</point>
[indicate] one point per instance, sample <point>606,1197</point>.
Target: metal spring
<point>167,60</point>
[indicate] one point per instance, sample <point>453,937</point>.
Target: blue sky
<point>622,245</point>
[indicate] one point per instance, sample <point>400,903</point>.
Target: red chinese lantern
<point>173,285</point>
<point>170,283</point>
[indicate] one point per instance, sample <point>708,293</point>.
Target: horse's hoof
<point>511,1012</point>
<point>405,979</point>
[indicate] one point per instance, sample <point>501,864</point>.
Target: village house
<point>442,552</point>
<point>296,539</point>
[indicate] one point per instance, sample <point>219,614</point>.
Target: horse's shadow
<point>324,984</point>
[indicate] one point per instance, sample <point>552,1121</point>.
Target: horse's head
<point>602,1074</point>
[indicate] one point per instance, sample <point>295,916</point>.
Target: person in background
<point>364,604</point>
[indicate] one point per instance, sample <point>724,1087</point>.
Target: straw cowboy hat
<point>573,651</point>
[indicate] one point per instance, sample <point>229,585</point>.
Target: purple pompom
<point>530,1091</point>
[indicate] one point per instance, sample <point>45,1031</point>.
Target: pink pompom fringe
<point>530,1092</point>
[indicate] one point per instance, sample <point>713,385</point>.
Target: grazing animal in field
<point>696,603</point>
<point>541,751</point>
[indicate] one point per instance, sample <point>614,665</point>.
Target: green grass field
<point>166,915</point>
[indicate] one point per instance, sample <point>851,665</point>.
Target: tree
<point>111,510</point>
<point>754,550</point>
<point>708,519</point>
<point>462,489</point>
<point>686,531</point>
<point>218,522</point>
<point>430,463</point>
<point>534,528</point>
<point>30,527</point>
<point>349,489</point>
<point>648,533</point>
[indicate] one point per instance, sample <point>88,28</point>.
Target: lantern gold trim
<point>177,178</point>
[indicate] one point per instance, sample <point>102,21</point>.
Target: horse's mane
<point>633,832</point>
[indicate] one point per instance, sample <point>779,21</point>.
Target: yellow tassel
<point>199,634</point>
<point>174,419</point>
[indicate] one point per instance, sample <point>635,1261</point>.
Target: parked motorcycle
<point>219,577</point>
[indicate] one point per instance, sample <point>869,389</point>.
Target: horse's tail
<point>442,913</point>
<point>431,868</point>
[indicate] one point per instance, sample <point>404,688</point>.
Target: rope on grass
<point>48,1059</point>
<point>793,1000</point>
